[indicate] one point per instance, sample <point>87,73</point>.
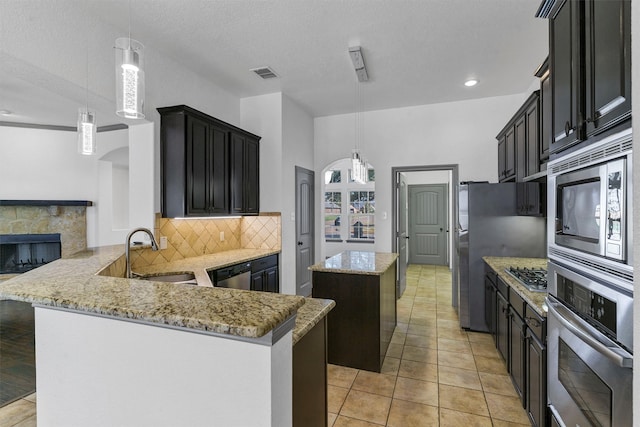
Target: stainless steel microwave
<point>590,198</point>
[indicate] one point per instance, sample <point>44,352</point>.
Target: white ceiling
<point>416,51</point>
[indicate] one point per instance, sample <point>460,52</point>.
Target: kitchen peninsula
<point>117,351</point>
<point>363,285</point>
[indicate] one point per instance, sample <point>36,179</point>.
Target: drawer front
<point>503,288</point>
<point>517,303</point>
<point>264,263</point>
<point>536,323</point>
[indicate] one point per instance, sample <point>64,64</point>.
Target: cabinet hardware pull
<point>567,128</point>
<point>532,321</point>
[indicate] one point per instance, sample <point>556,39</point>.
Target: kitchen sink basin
<point>186,278</point>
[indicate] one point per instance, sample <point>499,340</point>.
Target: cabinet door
<point>536,395</point>
<point>252,177</point>
<point>545,117</point>
<point>521,148</point>
<point>564,35</point>
<point>218,171</point>
<point>490,305</point>
<point>502,327</point>
<point>607,64</point>
<point>502,156</point>
<point>237,173</point>
<point>198,155</point>
<point>532,154</point>
<point>245,175</point>
<point>271,280</point>
<point>516,352</point>
<point>510,155</point>
<point>257,281</point>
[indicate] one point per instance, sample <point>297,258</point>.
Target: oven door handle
<point>556,415</point>
<point>565,317</point>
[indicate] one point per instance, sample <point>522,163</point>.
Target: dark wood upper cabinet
<point>545,112</point>
<point>519,143</point>
<point>245,174</point>
<point>607,64</point>
<point>197,164</point>
<point>590,68</point>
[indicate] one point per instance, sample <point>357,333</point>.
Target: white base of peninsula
<point>100,371</point>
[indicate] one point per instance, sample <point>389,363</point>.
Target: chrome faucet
<point>127,248</point>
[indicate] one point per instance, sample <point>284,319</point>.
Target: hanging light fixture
<point>86,118</point>
<point>359,168</point>
<point>129,76</point>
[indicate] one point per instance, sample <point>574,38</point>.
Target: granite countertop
<point>500,264</point>
<point>309,315</point>
<point>357,262</point>
<point>72,283</point>
<point>201,264</point>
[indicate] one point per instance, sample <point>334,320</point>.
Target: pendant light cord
<point>129,24</point>
<point>87,57</point>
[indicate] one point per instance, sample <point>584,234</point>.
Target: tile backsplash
<point>193,237</point>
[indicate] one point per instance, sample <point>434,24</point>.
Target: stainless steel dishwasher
<point>236,276</point>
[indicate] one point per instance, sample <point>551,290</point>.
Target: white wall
<point>287,141</point>
<point>297,150</point>
<point>460,133</point>
<point>41,164</point>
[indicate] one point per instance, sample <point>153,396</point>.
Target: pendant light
<point>129,76</point>
<point>86,118</point>
<point>359,168</point>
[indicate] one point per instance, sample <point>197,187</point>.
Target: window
<point>362,208</point>
<point>332,211</point>
<point>353,220</point>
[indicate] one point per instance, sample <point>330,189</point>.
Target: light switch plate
<point>222,236</point>
<point>163,242</point>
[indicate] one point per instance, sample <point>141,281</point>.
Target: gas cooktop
<point>534,279</point>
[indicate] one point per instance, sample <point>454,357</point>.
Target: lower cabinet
<point>310,378</point>
<point>264,274</point>
<point>520,335</point>
<point>502,327</point>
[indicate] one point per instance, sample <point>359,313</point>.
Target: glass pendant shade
<point>129,78</point>
<point>86,131</point>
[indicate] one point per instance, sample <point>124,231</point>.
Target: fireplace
<point>23,252</point>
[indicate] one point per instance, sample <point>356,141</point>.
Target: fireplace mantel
<point>46,203</point>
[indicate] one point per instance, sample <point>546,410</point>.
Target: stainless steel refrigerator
<point>489,226</point>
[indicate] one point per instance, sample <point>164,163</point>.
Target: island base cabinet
<point>310,378</point>
<point>361,325</point>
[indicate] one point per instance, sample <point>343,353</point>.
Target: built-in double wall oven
<point>590,285</point>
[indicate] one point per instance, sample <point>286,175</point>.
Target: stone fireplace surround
<point>67,217</point>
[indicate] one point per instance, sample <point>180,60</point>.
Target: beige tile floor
<point>434,372</point>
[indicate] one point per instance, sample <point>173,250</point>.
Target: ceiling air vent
<point>265,72</point>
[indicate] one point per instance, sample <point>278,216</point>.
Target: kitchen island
<point>117,351</point>
<point>363,285</point>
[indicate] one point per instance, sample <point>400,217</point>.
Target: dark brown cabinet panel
<point>516,352</point>
<point>519,143</point>
<point>245,175</point>
<point>545,112</point>
<point>536,372</point>
<point>196,171</point>
<point>590,68</point>
<point>564,33</point>
<point>490,304</point>
<point>607,64</point>
<point>265,274</point>
<point>310,398</point>
<point>502,327</point>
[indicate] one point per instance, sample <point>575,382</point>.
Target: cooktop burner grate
<point>534,279</point>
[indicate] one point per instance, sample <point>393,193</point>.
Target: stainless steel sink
<point>186,278</point>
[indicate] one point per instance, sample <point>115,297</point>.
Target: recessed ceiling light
<point>5,113</point>
<point>471,82</point>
